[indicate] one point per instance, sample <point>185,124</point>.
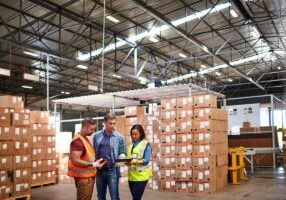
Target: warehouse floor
<point>265,184</point>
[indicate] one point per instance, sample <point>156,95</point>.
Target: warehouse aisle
<point>263,185</point>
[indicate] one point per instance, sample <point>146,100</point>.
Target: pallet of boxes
<point>43,154</point>
<point>193,137</point>
<point>15,149</point>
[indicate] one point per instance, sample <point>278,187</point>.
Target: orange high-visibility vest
<point>82,172</point>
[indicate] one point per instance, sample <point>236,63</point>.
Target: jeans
<point>106,178</point>
<point>137,189</point>
<point>84,188</point>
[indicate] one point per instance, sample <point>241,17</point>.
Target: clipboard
<point>122,162</point>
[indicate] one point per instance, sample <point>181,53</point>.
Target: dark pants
<point>137,189</point>
<point>106,178</point>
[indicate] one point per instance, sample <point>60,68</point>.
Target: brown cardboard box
<point>168,150</point>
<point>21,161</point>
<point>5,119</point>
<point>50,141</point>
<point>204,175</point>
<point>134,111</point>
<point>210,125</point>
<point>184,113</point>
<point>167,185</point>
<point>184,150</point>
<point>221,148</point>
<point>184,126</point>
<point>205,101</point>
<point>36,179</point>
<point>207,162</point>
<point>246,124</point>
<point>221,178</point>
<point>43,129</point>
<point>168,104</point>
<point>22,188</point>
<point>204,188</point>
<point>22,147</point>
<point>38,153</point>
<point>184,175</point>
<point>210,113</point>
<point>6,190</point>
<point>22,133</point>
<point>22,174</point>
<point>49,165</point>
<point>221,159</point>
<point>6,133</point>
<point>204,150</point>
<point>120,125</point>
<point>37,141</point>
<point>37,166</point>
<point>184,187</point>
<point>205,137</point>
<point>6,148</point>
<point>169,139</point>
<point>49,177</point>
<point>167,127</point>
<point>49,152</point>
<point>5,177</point>
<point>41,117</point>
<point>183,163</point>
<point>185,102</point>
<point>20,119</point>
<point>168,115</point>
<point>11,102</point>
<point>184,138</point>
<point>167,163</point>
<point>167,174</point>
<point>6,163</point>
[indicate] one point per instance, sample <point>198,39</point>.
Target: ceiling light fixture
<point>229,80</point>
<point>92,87</point>
<point>82,67</point>
<point>154,31</point>
<point>233,13</point>
<point>153,39</point>
<point>27,87</point>
<point>203,66</point>
<point>279,67</point>
<point>113,19</point>
<point>30,54</point>
<point>5,72</point>
<point>31,77</point>
<point>116,76</point>
<point>218,73</point>
<point>182,55</point>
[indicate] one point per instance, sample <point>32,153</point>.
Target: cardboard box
<point>6,163</point>
<point>168,104</point>
<point>184,113</point>
<point>20,119</point>
<point>22,133</point>
<point>184,187</point>
<point>167,163</point>
<point>49,152</point>
<point>167,127</point>
<point>49,165</point>
<point>221,148</point>
<point>205,101</point>
<point>21,161</point>
<point>37,141</point>
<point>22,174</point>
<point>6,148</point>
<point>5,177</point>
<point>6,190</point>
<point>221,178</point>
<point>184,138</point>
<point>168,150</point>
<point>205,137</point>
<point>210,113</point>
<point>184,150</point>
<point>246,124</point>
<point>5,119</point>
<point>43,129</point>
<point>167,174</point>
<point>49,177</point>
<point>168,139</point>
<point>221,159</point>
<point>11,102</point>
<point>38,153</point>
<point>204,175</point>
<point>37,166</point>
<point>184,126</point>
<point>204,150</point>
<point>134,111</point>
<point>6,133</point>
<point>167,185</point>
<point>183,163</point>
<point>210,125</point>
<point>168,115</point>
<point>22,188</point>
<point>36,179</point>
<point>185,102</point>
<point>184,175</point>
<point>41,117</point>
<point>22,147</point>
<point>206,162</point>
<point>204,188</point>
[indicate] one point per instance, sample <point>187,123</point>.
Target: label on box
<point>206,159</point>
<point>201,136</point>
<point>207,136</point>
<point>201,99</point>
<point>34,151</point>
<point>18,173</point>
<point>184,101</point>
<point>207,172</point>
<point>26,145</point>
<point>173,124</point>
<point>17,145</point>
<point>25,158</point>
<point>14,100</point>
<point>8,190</point>
<point>184,125</point>
<point>26,122</point>
<point>202,125</point>
<point>168,184</point>
<point>49,162</point>
<point>168,115</point>
<point>6,129</point>
<point>173,159</point>
<point>168,150</point>
<point>168,106</point>
<point>168,128</point>
<point>189,172</point>
<point>16,116</point>
<point>49,174</point>
<point>3,178</point>
<point>184,186</point>
<point>184,174</point>
<point>5,146</point>
<point>207,185</point>
<point>39,174</point>
<point>168,139</point>
<point>17,159</point>
<point>184,149</point>
<point>200,161</point>
<point>17,131</point>
<point>34,164</point>
<point>173,101</point>
<point>167,161</point>
<point>201,113</point>
<point>184,113</point>
<point>168,173</point>
<point>26,117</point>
<point>173,183</point>
<point>201,187</point>
<point>184,138</point>
<point>188,159</point>
<point>202,148</point>
<point>34,139</point>
<point>34,176</point>
<point>183,161</point>
<point>26,185</point>
<point>18,187</point>
<point>24,131</point>
<point>207,147</point>
<point>200,175</point>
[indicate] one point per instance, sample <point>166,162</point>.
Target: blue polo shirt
<point>104,150</point>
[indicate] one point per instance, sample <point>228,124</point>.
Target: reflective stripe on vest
<point>138,173</point>
<point>78,171</point>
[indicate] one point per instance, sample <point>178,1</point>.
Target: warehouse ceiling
<point>233,47</point>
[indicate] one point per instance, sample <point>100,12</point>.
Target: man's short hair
<point>88,121</point>
<point>109,116</point>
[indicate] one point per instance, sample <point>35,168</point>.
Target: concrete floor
<point>265,184</point>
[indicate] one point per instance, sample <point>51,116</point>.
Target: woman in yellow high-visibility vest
<point>139,171</point>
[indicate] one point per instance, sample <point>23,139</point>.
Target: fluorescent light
<point>116,76</point>
<point>31,77</point>
<point>218,73</point>
<point>203,66</point>
<point>30,53</point>
<point>5,72</point>
<point>92,87</point>
<point>82,67</point>
<point>229,80</point>
<point>62,92</point>
<point>154,31</point>
<point>233,13</point>
<point>153,39</point>
<point>279,67</point>
<point>255,32</point>
<point>182,55</point>
<point>113,19</point>
<point>27,87</point>
<point>67,92</point>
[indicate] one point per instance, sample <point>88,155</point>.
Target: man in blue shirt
<point>109,145</point>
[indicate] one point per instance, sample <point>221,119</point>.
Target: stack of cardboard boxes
<point>15,148</point>
<point>43,149</point>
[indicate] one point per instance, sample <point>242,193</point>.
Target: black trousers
<point>137,189</point>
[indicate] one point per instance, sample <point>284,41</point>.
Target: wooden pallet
<point>43,184</point>
<point>23,197</point>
